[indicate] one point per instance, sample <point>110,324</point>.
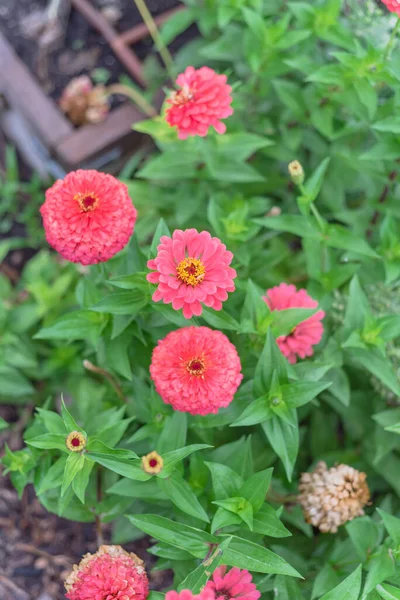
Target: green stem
<point>155,34</point>
<point>319,219</point>
<point>390,43</point>
<point>134,95</point>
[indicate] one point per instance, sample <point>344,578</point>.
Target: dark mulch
<point>38,549</point>
<point>83,48</point>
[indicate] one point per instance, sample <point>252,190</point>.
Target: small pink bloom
<point>205,594</point>
<point>393,6</point>
<point>192,269</point>
<point>196,370</point>
<point>109,574</point>
<point>304,336</point>
<point>204,99</point>
<point>232,585</point>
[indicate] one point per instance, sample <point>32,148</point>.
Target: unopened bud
<point>152,463</point>
<point>296,172</point>
<point>75,441</point>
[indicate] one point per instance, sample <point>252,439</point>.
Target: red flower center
<point>153,462</point>
<point>196,367</point>
<point>182,96</point>
<point>75,442</point>
<point>87,201</point>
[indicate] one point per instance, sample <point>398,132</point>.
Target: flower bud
<point>296,172</point>
<point>75,441</point>
<point>152,463</point>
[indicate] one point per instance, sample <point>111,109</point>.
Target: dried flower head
<point>331,497</point>
<point>75,441</point>
<point>393,6</point>
<point>196,370</point>
<point>192,269</point>
<point>296,172</point>
<point>88,216</point>
<point>300,341</point>
<point>152,463</point>
<point>84,103</point>
<point>109,574</point>
<point>203,100</point>
<point>231,585</point>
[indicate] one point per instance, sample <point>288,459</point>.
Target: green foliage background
<point>313,81</point>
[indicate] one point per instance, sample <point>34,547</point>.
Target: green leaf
<point>357,307</point>
<point>122,303</point>
<point>179,535</point>
<point>244,554</point>
<point>162,229</point>
<point>241,145</point>
<point>74,464</point>
<point>171,165</point>
<point>389,124</point>
<point>266,522</point>
<point>49,441</point>
<point>69,421</point>
<point>388,592</point>
<point>3,424</point>
<point>375,363</point>
<point>226,482</point>
<point>256,487</point>
<point>197,579</point>
<point>255,312</point>
<point>175,456</point>
<point>13,383</point>
<point>257,412</point>
<point>77,325</point>
<point>271,359</point>
<point>176,24</point>
<point>365,536</point>
<point>181,494</point>
<point>295,224</point>
<point>339,237</point>
<point>81,480</point>
<point>313,183</point>
<point>219,319</point>
<point>238,506</point>
<point>381,567</point>
<point>299,393</point>
<point>284,321</point>
<point>284,439</point>
<point>173,433</point>
<point>349,589</point>
<point>392,525</point>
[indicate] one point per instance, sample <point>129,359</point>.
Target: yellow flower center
<point>152,463</point>
<point>75,441</point>
<point>87,201</point>
<point>191,271</point>
<point>196,367</point>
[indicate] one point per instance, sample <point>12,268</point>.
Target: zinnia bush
<point>220,372</point>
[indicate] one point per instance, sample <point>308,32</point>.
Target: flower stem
<point>317,216</point>
<point>99,524</point>
<point>133,94</point>
<point>155,34</point>
<point>389,46</point>
<point>91,367</point>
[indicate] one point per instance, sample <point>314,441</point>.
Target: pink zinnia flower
<point>231,585</point>
<point>393,6</point>
<point>307,334</point>
<point>88,216</point>
<point>204,99</point>
<point>196,370</point>
<point>192,268</point>
<point>110,574</point>
<point>205,594</point>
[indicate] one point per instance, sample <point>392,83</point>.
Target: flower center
<point>182,96</point>
<point>87,201</point>
<point>75,442</point>
<point>196,367</point>
<point>153,462</point>
<point>191,271</point>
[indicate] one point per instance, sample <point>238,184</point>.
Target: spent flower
<point>332,497</point>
